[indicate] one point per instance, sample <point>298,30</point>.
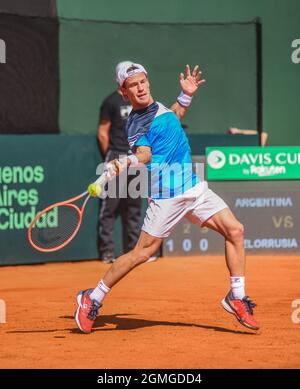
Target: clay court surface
<point>165,314</point>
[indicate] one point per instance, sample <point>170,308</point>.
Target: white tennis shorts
<point>196,204</point>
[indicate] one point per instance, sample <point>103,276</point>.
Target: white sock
<point>99,292</point>
<point>237,285</point>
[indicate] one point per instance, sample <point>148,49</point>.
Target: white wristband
<point>184,100</point>
<point>134,162</point>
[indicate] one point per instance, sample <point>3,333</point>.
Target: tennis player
<point>157,139</point>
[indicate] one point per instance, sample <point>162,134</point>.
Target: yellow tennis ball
<point>94,189</point>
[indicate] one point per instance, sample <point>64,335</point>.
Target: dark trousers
<point>129,210</point>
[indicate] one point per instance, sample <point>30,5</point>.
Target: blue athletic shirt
<point>158,127</point>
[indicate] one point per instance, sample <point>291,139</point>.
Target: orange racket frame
<point>68,203</point>
<point>101,181</point>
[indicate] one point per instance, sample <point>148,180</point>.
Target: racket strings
<point>54,227</point>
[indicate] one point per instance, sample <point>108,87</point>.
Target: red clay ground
<point>165,314</point>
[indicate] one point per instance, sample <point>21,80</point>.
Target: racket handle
<point>102,179</point>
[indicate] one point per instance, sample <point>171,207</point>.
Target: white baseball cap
<point>128,69</point>
<point>120,65</point>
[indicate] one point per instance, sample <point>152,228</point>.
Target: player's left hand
<point>192,81</point>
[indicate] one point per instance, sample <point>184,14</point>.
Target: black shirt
<point>116,110</point>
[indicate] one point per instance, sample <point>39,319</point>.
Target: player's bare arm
<point>189,85</point>
<point>142,155</point>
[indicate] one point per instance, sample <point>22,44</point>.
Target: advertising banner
<point>39,170</point>
<point>268,211</point>
<point>253,163</point>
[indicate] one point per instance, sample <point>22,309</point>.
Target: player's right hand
<point>116,167</point>
<point>111,169</point>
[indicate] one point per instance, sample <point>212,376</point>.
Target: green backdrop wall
<point>42,170</point>
<point>89,52</point>
<point>280,26</point>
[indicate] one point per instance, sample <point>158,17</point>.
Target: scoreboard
<point>269,210</point>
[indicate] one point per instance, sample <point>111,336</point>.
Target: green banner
<point>36,171</point>
<point>252,163</point>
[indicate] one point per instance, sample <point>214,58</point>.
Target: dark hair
<point>131,68</point>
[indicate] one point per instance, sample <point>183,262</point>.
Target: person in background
<point>113,115</point>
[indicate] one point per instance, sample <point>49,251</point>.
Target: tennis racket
<point>57,225</point>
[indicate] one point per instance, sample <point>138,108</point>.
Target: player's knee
<point>139,256</point>
<point>236,232</point>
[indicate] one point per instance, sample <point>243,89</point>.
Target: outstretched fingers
<point>188,70</point>
<point>190,82</point>
<point>198,79</point>
<point>198,76</point>
<point>194,74</point>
